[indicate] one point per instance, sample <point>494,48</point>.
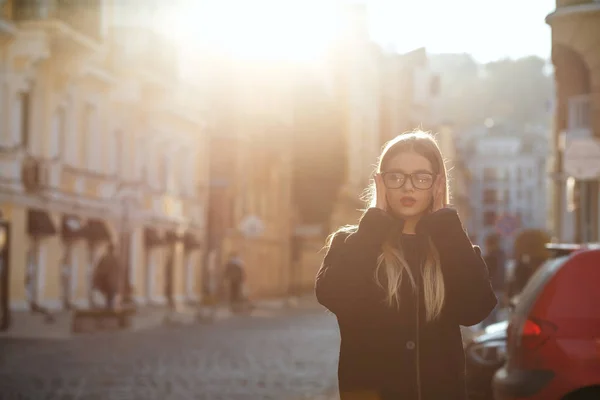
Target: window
<point>489,218</point>
<point>129,157</point>
<point>116,151</point>
<point>86,139</point>
<point>489,196</point>
<point>188,175</point>
<point>141,171</point>
<point>163,171</point>
<point>57,132</point>
<point>173,170</point>
<point>23,111</point>
<point>489,174</point>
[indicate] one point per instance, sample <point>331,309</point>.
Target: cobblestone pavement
<point>287,355</point>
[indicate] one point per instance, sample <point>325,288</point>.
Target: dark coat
<point>495,261</point>
<point>394,349</point>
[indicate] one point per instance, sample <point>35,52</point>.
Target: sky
<point>486,29</point>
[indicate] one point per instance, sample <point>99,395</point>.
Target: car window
<point>536,283</point>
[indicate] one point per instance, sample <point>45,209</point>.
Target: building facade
<point>576,57</point>
<point>508,180</point>
<point>250,174</point>
<point>356,68</point>
<point>98,145</point>
<point>459,176</point>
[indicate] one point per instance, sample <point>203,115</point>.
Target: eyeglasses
<point>419,180</point>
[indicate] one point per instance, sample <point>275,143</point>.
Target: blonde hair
<point>392,259</point>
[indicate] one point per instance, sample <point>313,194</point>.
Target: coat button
<point>410,345</point>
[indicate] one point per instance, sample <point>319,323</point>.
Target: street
<point>286,354</point>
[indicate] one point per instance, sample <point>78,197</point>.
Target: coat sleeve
<point>350,263</point>
<point>469,294</point>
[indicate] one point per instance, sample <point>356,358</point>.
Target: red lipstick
<point>408,201</point>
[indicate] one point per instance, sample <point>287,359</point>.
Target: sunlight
<point>257,30</point>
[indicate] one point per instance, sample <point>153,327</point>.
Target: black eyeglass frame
<point>411,177</point>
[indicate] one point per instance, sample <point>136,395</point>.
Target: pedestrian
<point>107,275</point>
<point>524,269</point>
<point>235,276</point>
<point>403,281</point>
<point>169,271</point>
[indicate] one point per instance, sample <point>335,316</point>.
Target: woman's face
<point>409,181</point>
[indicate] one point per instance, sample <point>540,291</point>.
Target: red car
<point>553,345</point>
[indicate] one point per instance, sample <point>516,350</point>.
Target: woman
<point>403,281</point>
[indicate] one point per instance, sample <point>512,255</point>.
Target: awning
<point>72,227</point>
<point>191,241</point>
<point>39,223</point>
<point>97,231</point>
<point>152,238</point>
<point>172,237</point>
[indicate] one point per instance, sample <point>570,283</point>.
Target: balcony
<point>145,54</point>
<point>74,24</point>
<point>579,117</point>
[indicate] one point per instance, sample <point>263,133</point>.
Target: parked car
<point>553,338</point>
<point>485,353</point>
<point>485,347</point>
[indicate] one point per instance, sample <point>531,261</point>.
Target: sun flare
<point>257,30</point>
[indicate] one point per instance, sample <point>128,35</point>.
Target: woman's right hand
<point>381,202</point>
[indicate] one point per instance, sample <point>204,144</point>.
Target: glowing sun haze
<point>301,29</point>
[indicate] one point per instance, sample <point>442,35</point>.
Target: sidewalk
<point>26,325</point>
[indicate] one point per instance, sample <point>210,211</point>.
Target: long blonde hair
<point>392,259</point>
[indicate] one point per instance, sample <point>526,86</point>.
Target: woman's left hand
<point>439,194</point>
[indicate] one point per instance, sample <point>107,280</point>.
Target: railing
<point>579,113</point>
<point>83,16</point>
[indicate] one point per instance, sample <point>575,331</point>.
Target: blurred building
<point>251,172</point>
<point>409,90</point>
<point>576,57</point>
<point>100,142</point>
<point>380,95</point>
<point>459,176</point>
<point>508,180</point>
<point>357,71</point>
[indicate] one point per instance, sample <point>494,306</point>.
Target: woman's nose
<point>408,185</point>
